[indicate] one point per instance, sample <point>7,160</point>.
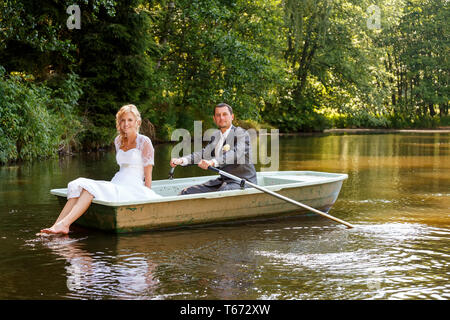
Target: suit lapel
<point>230,136</point>
<point>214,141</point>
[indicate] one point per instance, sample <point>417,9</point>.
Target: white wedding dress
<point>128,183</point>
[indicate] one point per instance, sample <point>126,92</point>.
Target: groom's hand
<point>204,164</point>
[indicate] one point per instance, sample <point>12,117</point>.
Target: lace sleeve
<point>117,143</point>
<point>147,150</point>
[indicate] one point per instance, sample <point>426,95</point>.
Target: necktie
<point>218,149</point>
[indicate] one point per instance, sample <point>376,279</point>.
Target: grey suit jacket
<point>236,161</point>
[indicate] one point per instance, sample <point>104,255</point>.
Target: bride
<point>135,156</point>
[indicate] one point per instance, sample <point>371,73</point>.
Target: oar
<point>172,170</point>
<point>299,204</point>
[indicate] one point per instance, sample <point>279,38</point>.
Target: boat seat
<point>271,181</point>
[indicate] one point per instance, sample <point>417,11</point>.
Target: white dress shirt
<point>217,150</point>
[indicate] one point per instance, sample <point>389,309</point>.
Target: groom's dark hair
<point>221,105</point>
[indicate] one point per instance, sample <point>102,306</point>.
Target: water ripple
<point>393,268</point>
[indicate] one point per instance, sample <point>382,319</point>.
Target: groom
<point>228,150</point>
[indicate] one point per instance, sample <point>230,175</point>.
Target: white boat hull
<point>315,189</point>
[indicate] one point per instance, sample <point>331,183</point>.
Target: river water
<point>397,195</point>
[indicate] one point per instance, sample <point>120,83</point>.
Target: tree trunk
<point>443,110</point>
<point>431,108</point>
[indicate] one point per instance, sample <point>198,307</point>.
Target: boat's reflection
<point>101,273</point>
<point>219,262</point>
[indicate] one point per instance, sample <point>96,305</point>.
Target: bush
<point>35,121</point>
<point>252,124</point>
<point>411,120</point>
<point>359,119</point>
<point>444,121</point>
<point>290,117</point>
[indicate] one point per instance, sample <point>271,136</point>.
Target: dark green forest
<point>295,65</point>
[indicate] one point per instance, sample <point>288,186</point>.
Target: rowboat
<point>315,189</point>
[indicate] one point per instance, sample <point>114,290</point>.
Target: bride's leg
<point>65,211</point>
<point>79,207</point>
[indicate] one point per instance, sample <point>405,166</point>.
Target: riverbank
<point>444,129</point>
<point>362,130</point>
<point>368,131</point>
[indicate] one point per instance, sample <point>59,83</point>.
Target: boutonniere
<point>226,148</point>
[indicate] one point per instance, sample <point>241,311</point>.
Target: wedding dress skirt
<point>126,185</point>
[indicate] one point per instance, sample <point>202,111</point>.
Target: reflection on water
<point>96,274</point>
<point>397,194</point>
<point>294,258</point>
<point>93,275</point>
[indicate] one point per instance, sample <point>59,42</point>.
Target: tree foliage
<point>36,121</point>
<point>298,65</point>
<point>417,51</point>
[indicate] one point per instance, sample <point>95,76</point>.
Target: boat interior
<point>172,188</point>
<point>169,188</point>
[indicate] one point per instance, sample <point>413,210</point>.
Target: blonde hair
<point>127,108</point>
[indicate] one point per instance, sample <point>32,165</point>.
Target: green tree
<point>215,51</point>
<point>328,54</point>
<point>417,50</point>
<point>36,121</point>
<point>114,64</point>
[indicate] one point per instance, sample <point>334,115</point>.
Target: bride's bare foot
<point>58,228</point>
